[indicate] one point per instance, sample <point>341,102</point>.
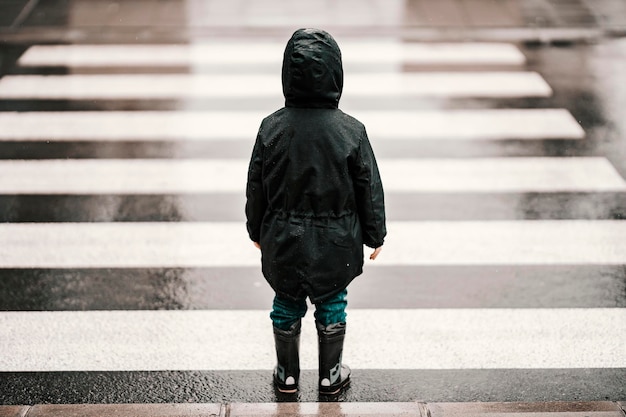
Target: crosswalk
<point>223,244</point>
<point>161,176</point>
<point>484,339</point>
<point>243,86</point>
<point>565,332</point>
<point>455,125</point>
<point>263,52</point>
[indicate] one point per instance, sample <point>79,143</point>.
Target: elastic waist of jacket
<point>307,217</point>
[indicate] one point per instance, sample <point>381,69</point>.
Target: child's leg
<point>330,320</point>
<point>286,317</point>
<point>333,310</point>
<point>286,312</point>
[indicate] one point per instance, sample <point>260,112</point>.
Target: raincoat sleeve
<point>368,189</point>
<point>255,197</point>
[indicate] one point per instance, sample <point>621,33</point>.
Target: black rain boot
<point>287,370</point>
<point>333,375</point>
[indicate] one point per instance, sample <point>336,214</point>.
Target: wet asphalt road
<point>506,385</point>
<point>587,80</point>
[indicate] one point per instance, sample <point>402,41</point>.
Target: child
<point>314,197</point>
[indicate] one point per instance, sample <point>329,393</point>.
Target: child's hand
<point>258,246</point>
<point>375,253</point>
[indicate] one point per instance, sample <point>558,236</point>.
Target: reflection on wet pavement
<point>228,207</point>
<point>508,286</point>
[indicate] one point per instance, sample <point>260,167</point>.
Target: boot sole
<point>283,389</point>
<point>287,390</point>
<point>335,390</point>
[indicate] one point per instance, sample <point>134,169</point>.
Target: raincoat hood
<point>312,72</point>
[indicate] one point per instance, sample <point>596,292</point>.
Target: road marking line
<point>181,176</point>
<point>226,244</point>
<point>378,52</point>
<point>168,86</point>
<point>485,124</point>
<point>242,340</point>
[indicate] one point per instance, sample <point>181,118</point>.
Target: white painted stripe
<point>243,340</point>
<point>150,176</point>
<point>254,53</point>
<point>501,175</point>
<point>223,244</point>
<point>487,124</point>
<point>165,86</point>
<point>484,124</point>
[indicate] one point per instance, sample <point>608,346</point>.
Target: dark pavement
<point>586,23</point>
<point>181,20</point>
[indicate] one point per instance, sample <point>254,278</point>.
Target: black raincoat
<point>314,194</point>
